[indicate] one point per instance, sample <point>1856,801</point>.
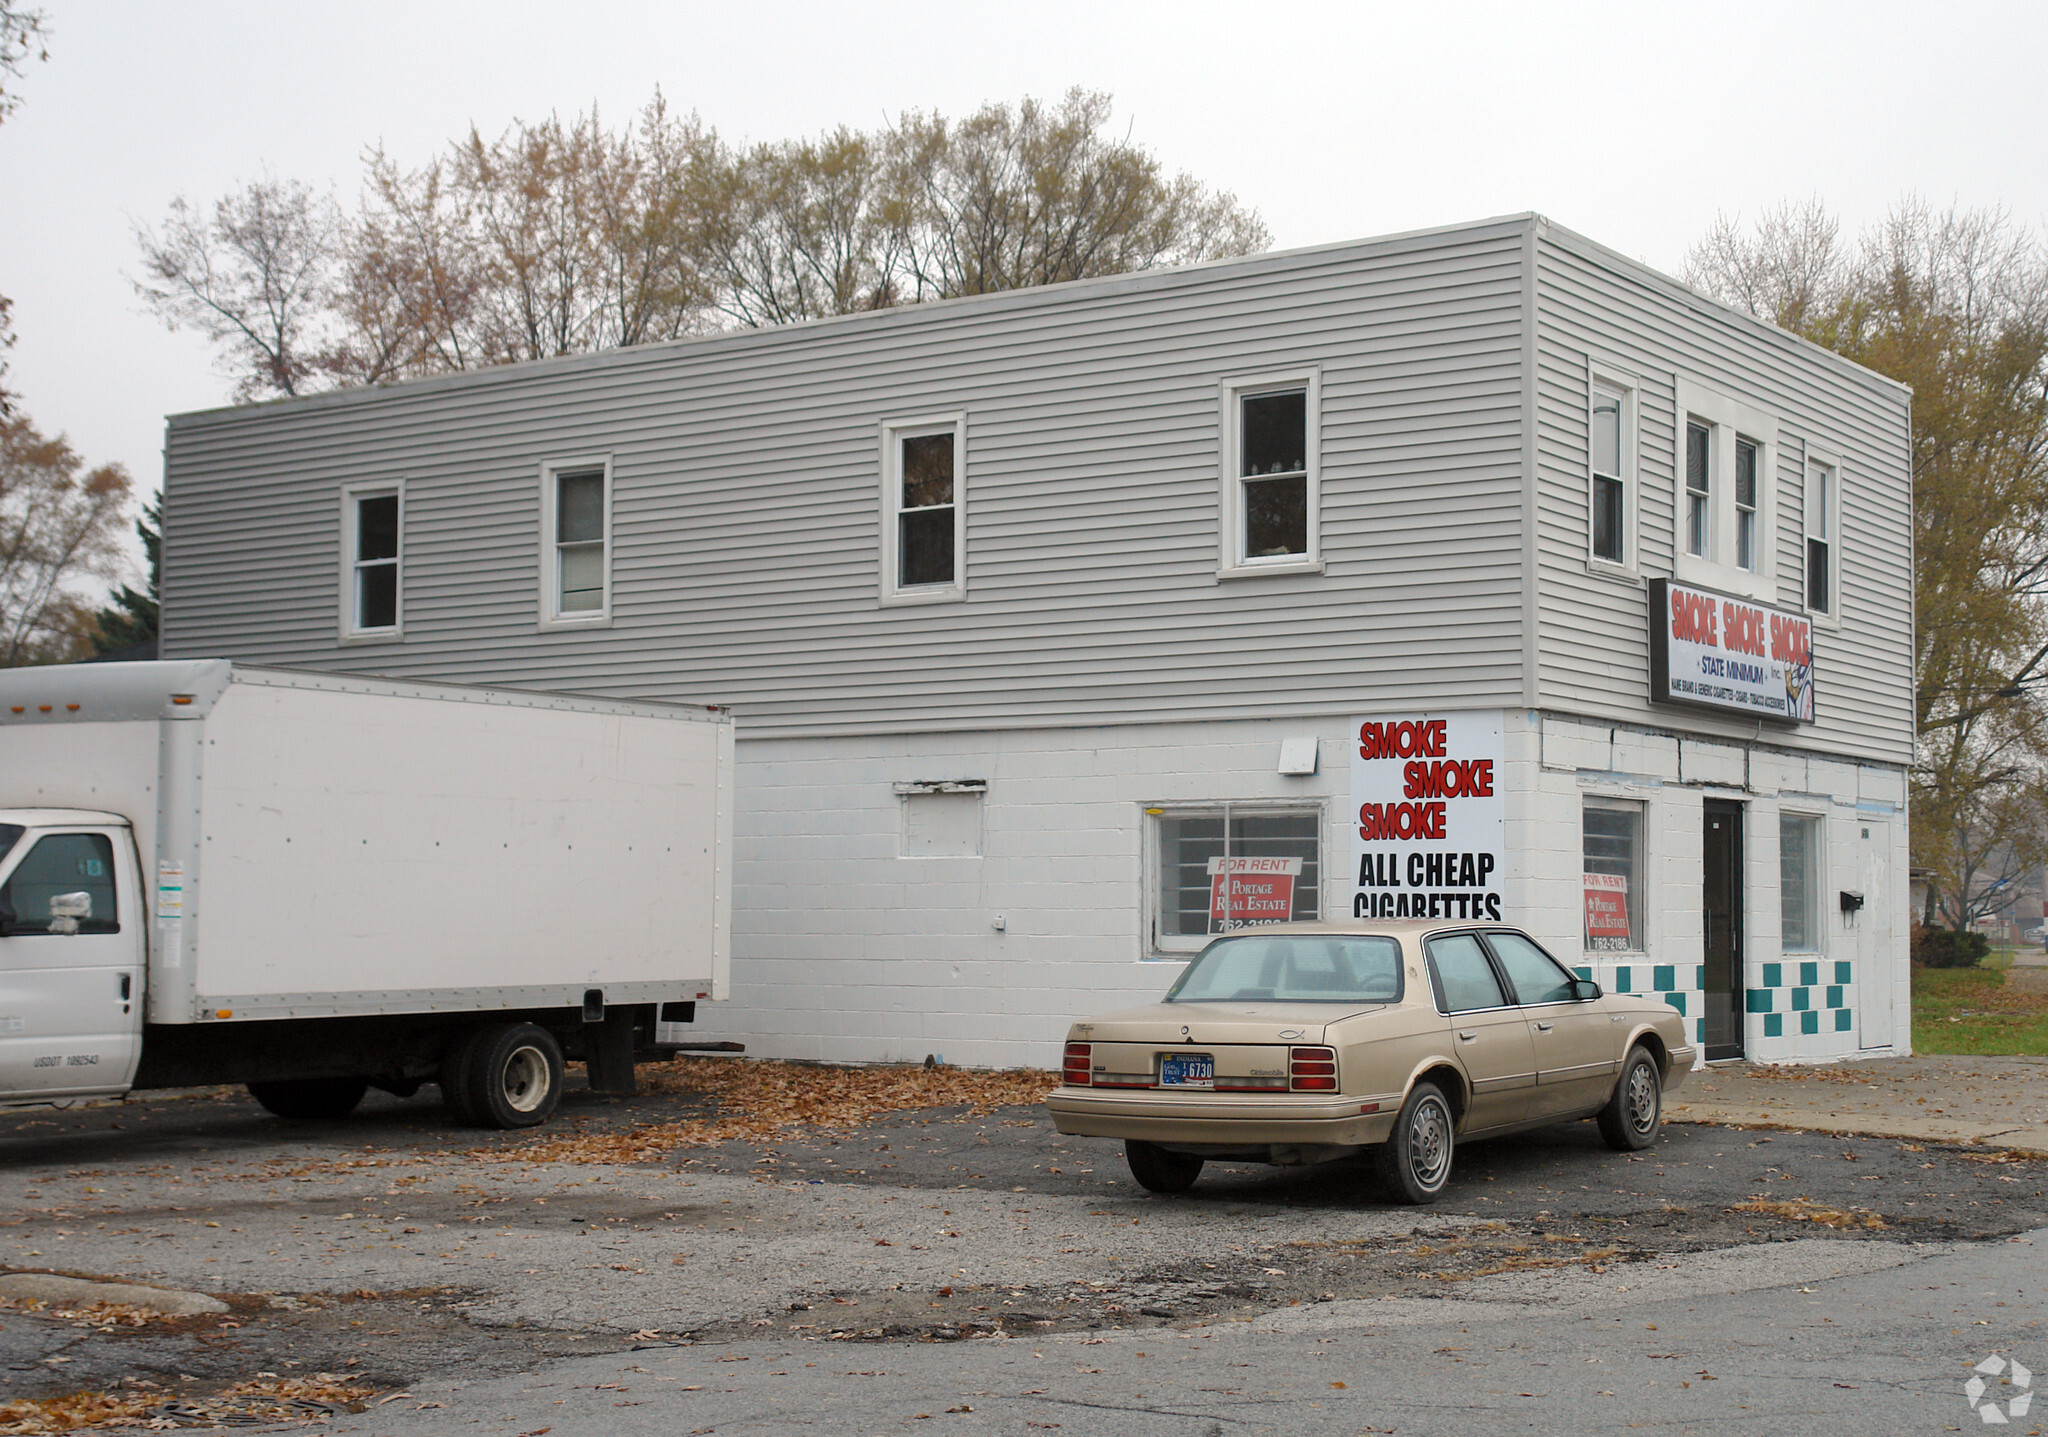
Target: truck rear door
<point>71,963</point>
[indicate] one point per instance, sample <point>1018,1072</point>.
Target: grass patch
<point>1979,1011</point>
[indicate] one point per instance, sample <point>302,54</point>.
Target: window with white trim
<point>1202,884</point>
<point>1270,483</point>
<point>1823,504</point>
<point>576,550</point>
<point>924,509</point>
<point>1726,452</point>
<point>1612,838</point>
<point>372,526</point>
<point>1611,504</point>
<point>1799,887</point>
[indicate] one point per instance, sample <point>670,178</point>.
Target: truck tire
<point>311,1097</point>
<point>455,1087</point>
<point>511,1076</point>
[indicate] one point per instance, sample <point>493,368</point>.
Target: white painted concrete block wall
<point>1671,776</point>
<point>844,950</point>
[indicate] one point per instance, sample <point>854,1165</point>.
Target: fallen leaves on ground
<point>103,1315</point>
<point>267,1399</point>
<point>759,1099</point>
<point>1807,1210</point>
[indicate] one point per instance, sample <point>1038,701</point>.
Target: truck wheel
<point>1629,1121</point>
<point>511,1077</point>
<point>311,1097</point>
<point>1415,1160</point>
<point>1159,1171</point>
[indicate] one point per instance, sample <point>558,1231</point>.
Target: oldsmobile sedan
<point>1305,1042</point>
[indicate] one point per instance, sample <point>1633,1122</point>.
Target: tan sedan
<point>1305,1042</point>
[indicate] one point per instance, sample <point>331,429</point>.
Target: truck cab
<point>73,956</point>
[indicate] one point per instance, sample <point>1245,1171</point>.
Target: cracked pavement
<point>423,1258</point>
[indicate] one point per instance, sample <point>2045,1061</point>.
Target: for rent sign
<point>1722,652</point>
<point>1430,816</point>
<point>1246,892</point>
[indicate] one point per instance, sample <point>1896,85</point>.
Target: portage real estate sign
<point>1721,652</point>
<point>1430,817</point>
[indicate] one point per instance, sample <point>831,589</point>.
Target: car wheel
<point>511,1077</point>
<point>1160,1171</point>
<point>316,1098</point>
<point>1415,1160</point>
<point>1629,1121</point>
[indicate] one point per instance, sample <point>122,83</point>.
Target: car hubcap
<point>1642,1099</point>
<point>1429,1144</point>
<point>526,1080</point>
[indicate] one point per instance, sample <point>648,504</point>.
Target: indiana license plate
<point>1187,1070</point>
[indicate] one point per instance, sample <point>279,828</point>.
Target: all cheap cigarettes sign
<point>1430,828</point>
<point>1721,652</point>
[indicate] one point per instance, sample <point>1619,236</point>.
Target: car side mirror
<point>1584,989</point>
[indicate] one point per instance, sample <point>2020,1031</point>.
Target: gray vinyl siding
<point>746,506</point>
<point>1596,309</point>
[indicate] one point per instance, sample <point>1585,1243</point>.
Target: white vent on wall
<point>1298,755</point>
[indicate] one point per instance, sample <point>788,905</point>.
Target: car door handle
<point>1467,1037</point>
<point>126,987</point>
<point>1543,1027</point>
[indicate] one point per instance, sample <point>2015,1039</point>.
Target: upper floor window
<point>1609,450</point>
<point>1270,483</point>
<point>1699,487</point>
<point>924,509</point>
<point>1745,504</point>
<point>576,522</point>
<point>1726,452</point>
<point>371,525</point>
<point>1823,501</point>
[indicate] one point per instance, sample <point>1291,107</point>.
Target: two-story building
<point>1476,572</point>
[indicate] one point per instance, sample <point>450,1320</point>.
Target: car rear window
<point>1292,968</point>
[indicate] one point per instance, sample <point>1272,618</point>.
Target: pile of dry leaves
<point>265,1400</point>
<point>103,1315</point>
<point>1807,1210</point>
<point>757,1100</point>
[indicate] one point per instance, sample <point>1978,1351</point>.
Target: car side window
<point>1464,980</point>
<point>1537,977</point>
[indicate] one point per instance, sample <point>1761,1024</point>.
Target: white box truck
<point>315,883</point>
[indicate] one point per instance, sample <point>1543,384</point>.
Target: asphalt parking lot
<point>394,1247</point>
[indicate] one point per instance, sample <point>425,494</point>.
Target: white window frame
<point>893,433</point>
<point>1626,389</point>
<point>352,496</point>
<point>1179,947</point>
<point>1821,459</point>
<point>1232,392</point>
<point>1641,912</point>
<point>1820,881</point>
<point>1726,420</point>
<point>552,615</point>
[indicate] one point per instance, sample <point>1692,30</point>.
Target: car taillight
<point>1312,1070</point>
<point>1079,1056</point>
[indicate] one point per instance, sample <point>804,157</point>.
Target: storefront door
<point>1721,920</point>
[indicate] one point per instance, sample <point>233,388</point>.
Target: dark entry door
<point>1721,902</point>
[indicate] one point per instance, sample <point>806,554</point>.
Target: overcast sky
<point>1632,123</point>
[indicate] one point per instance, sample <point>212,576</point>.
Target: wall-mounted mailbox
<point>1851,901</point>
